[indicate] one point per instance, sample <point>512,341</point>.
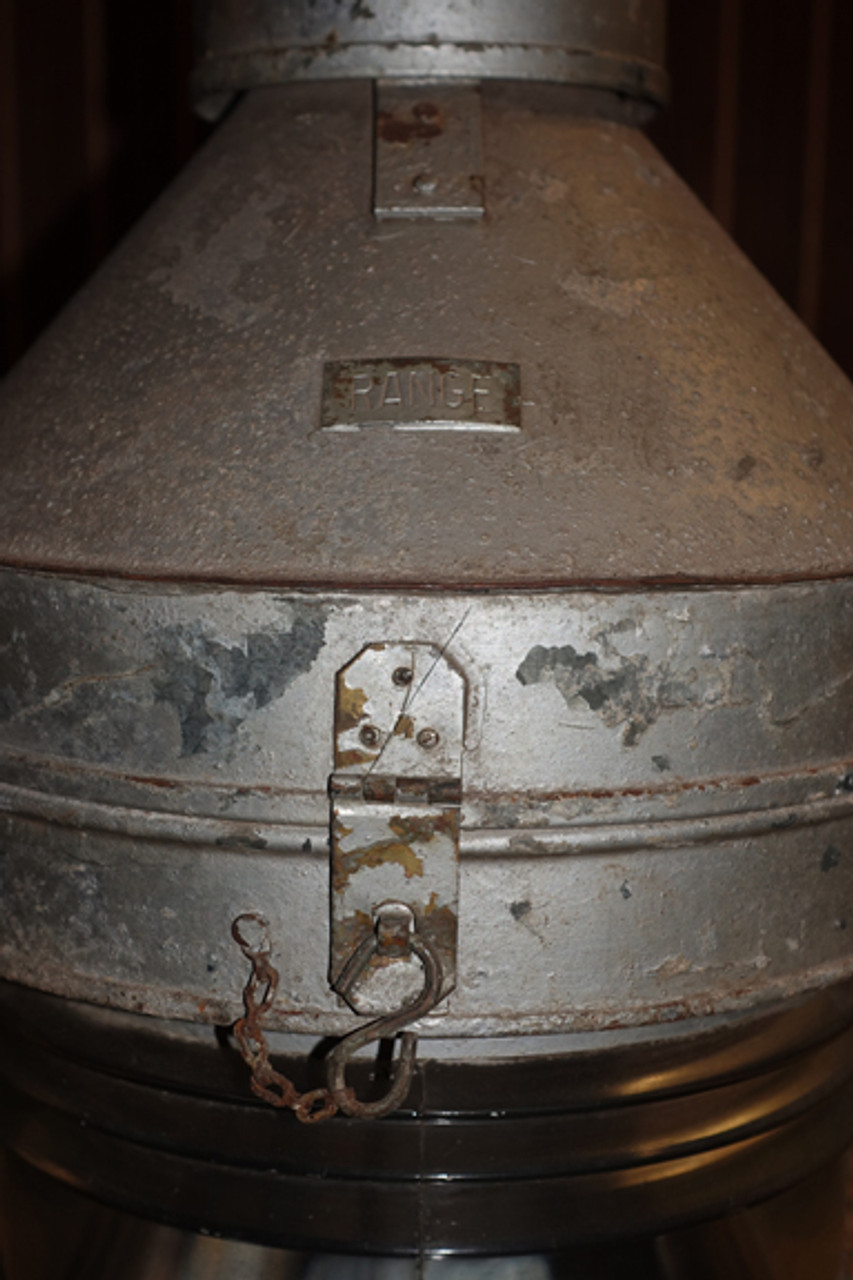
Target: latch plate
<point>395,797</point>
<point>428,151</point>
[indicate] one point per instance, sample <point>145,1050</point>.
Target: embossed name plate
<point>421,395</point>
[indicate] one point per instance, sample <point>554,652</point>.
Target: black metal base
<point>532,1156</point>
<point>51,1232</point>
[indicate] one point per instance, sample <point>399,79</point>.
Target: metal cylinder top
<point>606,44</point>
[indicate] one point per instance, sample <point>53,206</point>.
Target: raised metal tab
<point>428,151</point>
<point>421,394</point>
<point>395,796</point>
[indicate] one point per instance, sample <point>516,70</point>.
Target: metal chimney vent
<point>427,613</point>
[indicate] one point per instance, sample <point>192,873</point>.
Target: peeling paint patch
<point>623,298</point>
<point>379,854</point>
<point>405,727</point>
<point>671,967</point>
<point>355,755</point>
<point>213,687</point>
<point>399,848</point>
<point>629,693</point>
<point>350,710</point>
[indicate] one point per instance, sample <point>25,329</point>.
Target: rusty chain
<point>258,996</point>
<point>394,935</point>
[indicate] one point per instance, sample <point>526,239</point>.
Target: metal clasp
<point>395,934</point>
<point>429,160</point>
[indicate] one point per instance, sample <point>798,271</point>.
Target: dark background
<point>94,122</point>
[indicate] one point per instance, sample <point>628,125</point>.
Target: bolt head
<point>369,735</point>
<point>428,738</point>
<point>403,677</point>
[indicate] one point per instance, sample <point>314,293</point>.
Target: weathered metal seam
<point>601,1016</point>
<point>329,592</point>
<point>834,773</point>
<point>448,59</point>
<point>480,842</point>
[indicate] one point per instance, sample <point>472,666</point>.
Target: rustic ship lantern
<point>427,614</point>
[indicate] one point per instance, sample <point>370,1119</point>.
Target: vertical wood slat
<point>10,192</point>
<point>52,169</point>
<point>815,163</point>
<point>771,138</point>
<point>99,138</point>
<point>836,269</point>
<point>725,141</point>
<point>685,131</point>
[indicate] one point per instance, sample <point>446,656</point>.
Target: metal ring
<point>236,933</point>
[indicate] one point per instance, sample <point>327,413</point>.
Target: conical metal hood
<point>675,421</point>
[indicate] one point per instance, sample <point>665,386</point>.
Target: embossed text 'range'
<point>421,394</point>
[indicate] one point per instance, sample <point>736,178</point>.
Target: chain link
<point>258,996</point>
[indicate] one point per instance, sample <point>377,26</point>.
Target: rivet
<point>369,735</point>
<point>402,676</point>
<point>428,738</point>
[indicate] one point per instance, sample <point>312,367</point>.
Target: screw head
<point>428,738</point>
<point>369,735</point>
<point>402,676</point>
<point>424,184</point>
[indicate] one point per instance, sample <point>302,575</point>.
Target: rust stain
<point>397,851</point>
<point>442,927</point>
<point>353,756</point>
<point>349,933</point>
<point>425,123</point>
<point>407,832</point>
<point>350,708</point>
<point>170,783</point>
<point>420,830</point>
<point>676,787</point>
<point>347,863</point>
<point>405,727</point>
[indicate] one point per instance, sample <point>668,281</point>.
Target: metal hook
<point>384,1028</point>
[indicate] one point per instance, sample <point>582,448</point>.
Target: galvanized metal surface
<point>428,151</point>
<point>657,802</point>
<point>613,44</point>
<point>677,422</point>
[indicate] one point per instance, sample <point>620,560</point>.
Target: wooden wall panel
<point>53,178</point>
<point>834,324</point>
<point>10,223</point>
<point>688,138</point>
<point>771,117</point>
<point>94,122</point>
